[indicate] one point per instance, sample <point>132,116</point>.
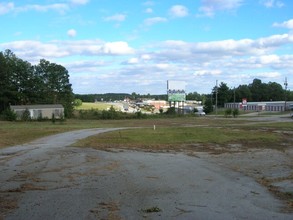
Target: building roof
<point>15,107</point>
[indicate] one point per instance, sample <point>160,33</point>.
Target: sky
<point>125,46</point>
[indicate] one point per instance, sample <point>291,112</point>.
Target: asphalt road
<point>47,179</point>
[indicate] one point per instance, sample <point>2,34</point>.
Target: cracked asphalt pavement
<point>48,179</point>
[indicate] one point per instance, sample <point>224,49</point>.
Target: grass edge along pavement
<point>14,133</point>
<point>19,132</point>
<point>183,138</point>
<point>146,139</point>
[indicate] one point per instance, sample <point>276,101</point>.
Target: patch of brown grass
<point>285,196</point>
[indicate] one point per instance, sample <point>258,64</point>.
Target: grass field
<point>180,138</point>
<point>93,105</point>
<point>171,133</point>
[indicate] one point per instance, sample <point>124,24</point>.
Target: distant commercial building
<point>273,106</point>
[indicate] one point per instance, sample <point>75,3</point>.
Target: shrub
<point>228,112</point>
<point>40,117</point>
<point>9,115</point>
<point>26,116</point>
<point>171,111</point>
<point>235,112</point>
<point>53,118</point>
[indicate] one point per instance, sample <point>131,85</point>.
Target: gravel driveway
<point>48,179</point>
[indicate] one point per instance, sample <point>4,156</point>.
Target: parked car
<point>200,113</point>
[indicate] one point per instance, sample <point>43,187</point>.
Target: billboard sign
<point>176,91</point>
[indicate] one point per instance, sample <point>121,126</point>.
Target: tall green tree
<point>208,105</point>
<point>242,92</point>
<point>222,93</point>
<point>4,83</point>
<point>56,87</point>
<point>275,92</point>
<point>257,89</point>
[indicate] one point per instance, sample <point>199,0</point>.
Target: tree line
<point>23,83</point>
<point>257,91</point>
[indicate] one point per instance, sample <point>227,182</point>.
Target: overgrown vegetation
<point>231,112</point>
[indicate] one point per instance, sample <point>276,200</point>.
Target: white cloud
<point>269,59</point>
<point>197,63</point>
<point>148,3</point>
<point>33,50</point>
<point>71,33</point>
<point>145,57</point>
<point>267,75</point>
<point>214,49</point>
<point>116,17</point>
<point>286,24</point>
<point>60,8</point>
<point>178,11</point>
<point>162,65</point>
<point>85,66</point>
<point>154,20</point>
<point>272,3</point>
<point>210,7</point>
<point>117,48</point>
<point>6,7</point>
<point>10,7</point>
<point>133,60</point>
<point>79,2</point>
<point>148,10</point>
<point>204,72</point>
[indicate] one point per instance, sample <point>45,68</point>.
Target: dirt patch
<point>27,187</point>
<point>107,210</point>
<point>9,198</point>
<point>8,203</point>
<point>278,192</point>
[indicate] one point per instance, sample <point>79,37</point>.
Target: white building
<point>274,106</point>
<point>39,111</point>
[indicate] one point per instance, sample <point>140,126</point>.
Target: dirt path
<point>46,179</point>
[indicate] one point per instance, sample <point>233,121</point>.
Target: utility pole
<point>286,85</point>
<point>234,99</point>
<point>216,97</point>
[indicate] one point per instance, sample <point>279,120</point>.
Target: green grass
<point>92,105</point>
<point>170,137</point>
<point>169,131</point>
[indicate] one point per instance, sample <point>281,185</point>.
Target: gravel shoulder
<point>48,179</point>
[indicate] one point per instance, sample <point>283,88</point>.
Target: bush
<point>208,106</point>
<point>228,112</point>
<point>171,111</point>
<point>53,118</point>
<point>77,102</point>
<point>26,116</point>
<point>235,112</point>
<point>9,115</point>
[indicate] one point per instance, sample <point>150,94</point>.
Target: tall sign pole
<point>286,85</point>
